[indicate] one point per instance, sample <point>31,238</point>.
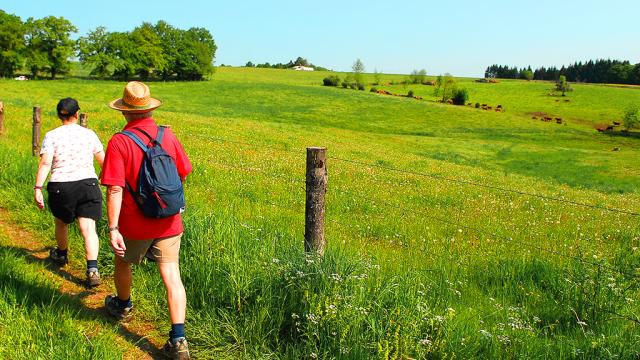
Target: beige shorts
<point>164,250</point>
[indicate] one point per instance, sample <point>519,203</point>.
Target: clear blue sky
<point>461,37</point>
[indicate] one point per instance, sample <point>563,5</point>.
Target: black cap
<point>67,107</point>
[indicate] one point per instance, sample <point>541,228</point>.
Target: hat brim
<point>120,105</point>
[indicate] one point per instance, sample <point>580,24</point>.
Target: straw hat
<point>136,99</point>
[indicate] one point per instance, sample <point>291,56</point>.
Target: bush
<point>460,97</point>
<point>631,118</point>
<point>410,93</point>
<point>360,87</point>
<point>353,86</point>
<point>477,105</point>
<point>345,84</point>
<point>331,81</point>
<point>374,89</point>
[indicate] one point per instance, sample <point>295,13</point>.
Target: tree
<point>95,50</point>
<point>12,32</point>
<point>460,97</point>
<point>418,76</point>
<point>300,61</point>
<point>249,64</point>
<point>358,70</point>
<point>527,74</point>
<point>376,77</point>
<point>631,118</point>
<point>49,45</point>
<point>445,86</point>
<point>149,57</point>
<point>562,84</point>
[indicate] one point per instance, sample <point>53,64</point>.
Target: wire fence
<point>441,178</point>
<point>291,206</point>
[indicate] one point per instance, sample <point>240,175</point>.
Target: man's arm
<point>114,203</point>
<point>41,176</point>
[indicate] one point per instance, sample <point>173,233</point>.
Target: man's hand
<point>117,243</point>
<point>39,199</point>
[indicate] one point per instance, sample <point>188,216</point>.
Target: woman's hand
<point>39,199</point>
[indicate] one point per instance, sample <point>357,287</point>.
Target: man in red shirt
<point>132,234</point>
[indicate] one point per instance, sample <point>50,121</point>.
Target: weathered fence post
<point>35,134</point>
<point>314,209</point>
<point>83,120</point>
<point>1,117</point>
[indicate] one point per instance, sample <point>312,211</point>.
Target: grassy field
<point>465,253</point>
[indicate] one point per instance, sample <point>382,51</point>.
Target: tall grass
<point>537,279</point>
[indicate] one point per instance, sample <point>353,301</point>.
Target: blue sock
<point>92,264</point>
<point>177,331</point>
<point>124,303</point>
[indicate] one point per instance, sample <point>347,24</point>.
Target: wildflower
<point>426,341</point>
<point>485,333</point>
<point>275,260</point>
<point>314,355</point>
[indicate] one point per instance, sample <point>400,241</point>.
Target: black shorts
<point>73,199</point>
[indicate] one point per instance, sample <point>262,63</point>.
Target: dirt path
<point>139,336</point>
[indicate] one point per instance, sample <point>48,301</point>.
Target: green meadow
<point>453,232</point>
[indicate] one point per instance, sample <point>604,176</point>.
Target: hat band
<point>136,106</point>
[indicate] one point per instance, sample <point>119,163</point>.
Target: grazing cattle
<point>499,107</point>
<point>547,118</point>
<point>489,107</point>
<point>534,117</point>
<point>558,121</point>
<point>566,100</point>
<point>418,97</point>
<point>610,128</point>
<point>616,123</point>
<point>616,149</point>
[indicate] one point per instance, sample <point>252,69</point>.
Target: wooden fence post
<point>315,200</point>
<point>35,134</point>
<point>83,120</point>
<point>1,117</point>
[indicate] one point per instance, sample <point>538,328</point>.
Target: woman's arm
<point>99,157</point>
<point>41,176</point>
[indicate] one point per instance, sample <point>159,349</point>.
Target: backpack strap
<point>160,135</point>
<point>135,139</point>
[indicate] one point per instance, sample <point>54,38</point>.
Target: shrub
<point>353,86</point>
<point>331,81</point>
<point>477,105</point>
<point>410,93</point>
<point>460,97</point>
<point>345,84</point>
<point>631,118</point>
<point>360,86</point>
<point>374,89</point>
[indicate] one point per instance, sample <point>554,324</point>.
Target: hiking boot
<point>93,277</point>
<point>113,307</point>
<point>60,260</point>
<point>177,350</point>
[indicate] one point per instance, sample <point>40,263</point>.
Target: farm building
<point>302,68</point>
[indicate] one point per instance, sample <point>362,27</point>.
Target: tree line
<point>161,51</point>
<point>598,71</point>
<point>300,61</point>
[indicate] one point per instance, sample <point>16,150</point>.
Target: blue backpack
<point>160,193</point>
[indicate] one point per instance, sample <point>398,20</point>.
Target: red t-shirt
<point>122,163</point>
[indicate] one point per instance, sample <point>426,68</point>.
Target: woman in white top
<point>68,152</point>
